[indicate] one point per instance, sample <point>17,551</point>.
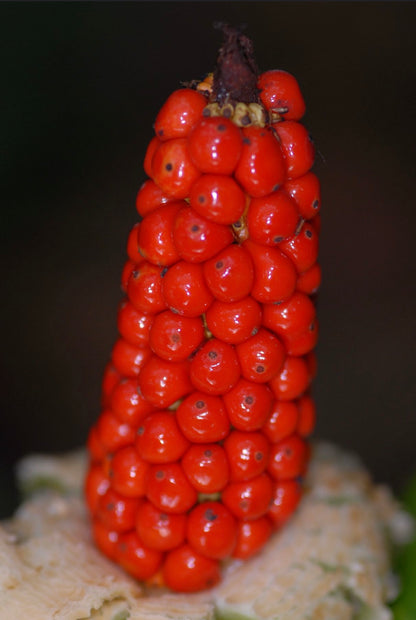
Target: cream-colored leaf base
<point>332,561</point>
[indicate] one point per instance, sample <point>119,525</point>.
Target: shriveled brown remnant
<point>236,73</point>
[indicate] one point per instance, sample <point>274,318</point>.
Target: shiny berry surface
<point>172,168</point>
<point>215,145</point>
<point>215,368</point>
<point>248,404</point>
<point>234,322</point>
<point>179,114</point>
<point>297,147</point>
<point>196,238</point>
<point>251,537</point>
<point>185,290</point>
<point>279,91</point>
<point>203,418</point>
<point>230,275</point>
<point>207,467</point>
<point>174,337</point>
<point>272,218</point>
<point>156,235</point>
<point>211,530</point>
<point>275,273</point>
<point>218,198</point>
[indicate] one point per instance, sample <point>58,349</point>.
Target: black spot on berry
<point>315,204</point>
<point>169,167</point>
<point>249,400</point>
<point>260,368</point>
<point>208,453</point>
<point>160,474</point>
<point>277,239</point>
<point>212,355</point>
<point>258,456</point>
<point>221,127</point>
<point>194,228</point>
<point>308,233</point>
<point>163,272</point>
<point>247,141</point>
<point>199,404</point>
<point>160,132</point>
<point>219,264</point>
<point>201,198</point>
<point>210,515</point>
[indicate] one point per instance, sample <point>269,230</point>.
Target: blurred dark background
<point>81,85</point>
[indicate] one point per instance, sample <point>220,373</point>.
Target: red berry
<point>112,433</point>
<point>290,317</point>
<point>215,145</point>
<point>261,169</point>
<point>218,198</point>
<point>206,467</point>
<point>96,485</point>
<point>96,450</point>
<point>282,422</point>
<point>280,91</point>
<point>292,380</point>
<point>185,290</point>
<point>196,238</point>
<point>128,472</point>
<point>133,325</point>
<point>117,512</point>
<point>128,359</point>
<point>105,539</point>
<point>148,158</point>
<point>162,382</point>
<point>272,218</point>
<point>248,454</point>
<point>230,274</point>
<point>215,368</point>
<point>172,168</point>
<point>185,570</point>
<point>169,489</point>
<point>261,356</point>
<point>288,458</point>
<point>297,148</point>
<point>137,559</point>
<point>248,405</point>
<point>310,280</point>
<point>160,530</point>
<point>203,418</point>
<point>302,248</point>
<point>249,499</point>
<point>156,234</point>
<point>234,322</point>
<point>211,530</point>
<point>275,273</point>
<point>133,250</point>
<point>179,114</point>
<point>159,438</point>
<point>174,337</point>
<point>111,377</point>
<point>128,269</point>
<point>306,191</point>
<point>285,499</point>
<point>251,537</point>
<point>307,416</point>
<point>128,403</point>
<point>149,198</point>
<point>144,288</point>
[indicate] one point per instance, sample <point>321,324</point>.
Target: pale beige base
<point>331,562</point>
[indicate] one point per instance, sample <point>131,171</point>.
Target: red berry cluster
<point>198,452</point>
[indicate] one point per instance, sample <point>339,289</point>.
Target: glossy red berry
<point>206,467</point>
<point>292,380</point>
<point>185,290</point>
<point>127,270</point>
<point>159,438</point>
<point>172,168</point>
<point>179,114</point>
<point>96,485</point>
<point>162,382</point>
<point>111,377</point>
<point>302,248</point>
<point>112,433</point>
<point>133,250</point>
<point>174,337</point>
<point>185,570</point>
<point>272,218</point>
<point>150,197</point>
<point>306,192</point>
<point>144,288</point>
<point>310,280</point>
<point>116,511</point>
<point>307,416</point>
<point>249,499</point>
<point>215,368</point>
<point>133,325</point>
<point>218,198</point>
<point>215,145</point>
<point>128,472</point>
<point>275,273</point>
<point>297,148</point>
<point>248,454</point>
<point>150,151</point>
<point>169,490</point>
<point>251,537</point>
<point>96,450</point>
<point>285,499</point>
<point>230,274</point>
<point>261,356</point>
<point>156,234</point>
<point>105,538</point>
<point>211,530</point>
<point>248,404</point>
<point>128,403</point>
<point>234,322</point>
<point>138,560</point>
<point>198,239</point>
<point>203,418</point>
<point>279,91</point>
<point>290,317</point>
<point>160,530</point>
<point>129,359</point>
<point>261,168</point>
<point>282,421</point>
<point>288,458</point>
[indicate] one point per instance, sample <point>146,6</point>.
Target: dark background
<point>81,85</point>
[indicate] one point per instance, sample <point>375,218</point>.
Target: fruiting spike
<point>206,398</point>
